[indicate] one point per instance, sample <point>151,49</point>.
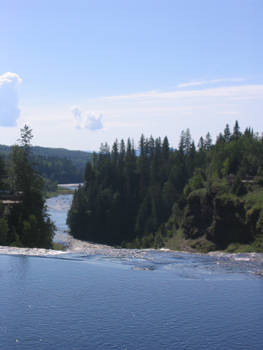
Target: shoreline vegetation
<point>200,198</point>
<point>56,165</point>
<point>203,198</point>
<point>58,246</point>
<point>59,191</point>
<point>24,221</point>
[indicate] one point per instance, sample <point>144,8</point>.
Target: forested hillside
<point>205,197</point>
<point>57,165</point>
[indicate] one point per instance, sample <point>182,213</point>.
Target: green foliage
<point>254,197</point>
<point>58,246</point>
<point>126,198</point>
<point>196,182</point>
<point>197,214</point>
<point>2,174</point>
<point>3,231</point>
<point>57,165</point>
<point>238,187</point>
<point>57,170</point>
<point>206,198</point>
<point>24,221</point>
<point>228,221</point>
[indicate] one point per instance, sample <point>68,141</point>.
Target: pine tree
<point>30,218</point>
<point>236,131</point>
<point>208,142</point>
<point>165,148</point>
<point>201,144</point>
<point>227,133</point>
<point>2,173</point>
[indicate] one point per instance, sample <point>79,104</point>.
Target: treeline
<point>204,196</point>
<point>23,216</point>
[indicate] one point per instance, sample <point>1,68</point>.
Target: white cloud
<point>9,109</point>
<point>93,122</point>
<point>207,82</point>
<point>10,78</point>
<point>87,121</point>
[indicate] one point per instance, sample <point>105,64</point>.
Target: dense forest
<point>23,216</point>
<point>204,197</point>
<point>55,165</point>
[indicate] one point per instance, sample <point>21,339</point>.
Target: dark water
<point>96,297</point>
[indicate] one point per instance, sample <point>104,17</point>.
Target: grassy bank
<point>59,191</point>
<point>203,245</point>
<point>58,246</point>
<point>178,242</point>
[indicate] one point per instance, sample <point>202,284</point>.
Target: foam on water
<point>70,186</point>
<point>29,251</point>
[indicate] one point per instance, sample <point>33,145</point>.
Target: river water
<point>97,297</point>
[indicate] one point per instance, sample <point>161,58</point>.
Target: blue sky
<point>93,71</point>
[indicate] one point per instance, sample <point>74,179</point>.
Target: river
<point>97,297</point>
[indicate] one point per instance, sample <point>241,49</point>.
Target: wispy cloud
<point>9,109</point>
<point>10,78</point>
<point>86,121</point>
<point>231,92</point>
<point>208,82</point>
<point>168,112</point>
<point>159,113</point>
<point>77,114</point>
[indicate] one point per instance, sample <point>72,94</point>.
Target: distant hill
<point>56,164</point>
<point>78,158</point>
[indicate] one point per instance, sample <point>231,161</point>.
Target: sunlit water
<point>98,297</point>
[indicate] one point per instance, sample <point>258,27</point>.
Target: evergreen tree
<point>2,174</point>
<point>236,131</point>
<point>208,142</point>
<point>227,133</point>
<point>165,148</point>
<point>138,200</point>
<point>30,219</point>
<point>201,144</point>
<point>220,138</point>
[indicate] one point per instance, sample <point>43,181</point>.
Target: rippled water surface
<point>97,297</point>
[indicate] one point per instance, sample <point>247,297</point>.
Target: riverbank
<point>58,207</point>
<point>59,192</point>
<point>203,245</point>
